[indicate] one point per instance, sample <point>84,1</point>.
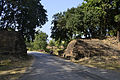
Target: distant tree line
<point>92,19</point>
<point>23,16</point>
<point>39,43</point>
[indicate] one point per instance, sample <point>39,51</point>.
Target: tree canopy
<point>23,16</point>
<point>92,19</point>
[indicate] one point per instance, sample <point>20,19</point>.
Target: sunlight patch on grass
<point>11,68</point>
<point>5,62</point>
<point>13,71</point>
<point>105,62</point>
<point>112,68</point>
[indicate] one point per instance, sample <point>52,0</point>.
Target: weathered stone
<point>12,42</point>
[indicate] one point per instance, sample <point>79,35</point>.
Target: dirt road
<point>47,67</point>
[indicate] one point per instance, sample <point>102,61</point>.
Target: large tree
<point>59,30</point>
<point>92,19</point>
<point>22,15</point>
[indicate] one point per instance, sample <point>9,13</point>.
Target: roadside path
<point>47,67</point>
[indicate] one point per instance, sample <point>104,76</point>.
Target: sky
<point>55,6</point>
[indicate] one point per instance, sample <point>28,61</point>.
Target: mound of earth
<point>81,48</point>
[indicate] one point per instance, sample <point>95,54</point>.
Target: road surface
<point>47,67</point>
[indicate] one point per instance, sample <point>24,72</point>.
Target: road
<point>47,67</point>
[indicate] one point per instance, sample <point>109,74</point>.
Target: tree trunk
<point>118,36</point>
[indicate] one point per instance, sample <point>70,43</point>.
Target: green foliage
<point>117,18</point>
<point>93,19</point>
<point>23,16</point>
<point>59,23</point>
<point>30,46</point>
<point>56,47</point>
<point>51,43</point>
<point>40,42</point>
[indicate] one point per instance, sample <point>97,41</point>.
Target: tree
<point>51,43</point>
<point>92,19</point>
<point>116,9</point>
<point>23,16</point>
<point>59,28</point>
<point>107,10</point>
<point>40,42</point>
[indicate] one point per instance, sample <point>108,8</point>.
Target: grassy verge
<point>112,63</point>
<point>11,68</point>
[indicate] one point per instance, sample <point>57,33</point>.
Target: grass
<point>104,62</point>
<point>11,68</point>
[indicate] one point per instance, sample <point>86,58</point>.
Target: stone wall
<point>12,42</point>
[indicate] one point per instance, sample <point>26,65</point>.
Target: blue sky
<point>55,6</point>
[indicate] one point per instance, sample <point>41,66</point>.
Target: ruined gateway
<point>12,42</point>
